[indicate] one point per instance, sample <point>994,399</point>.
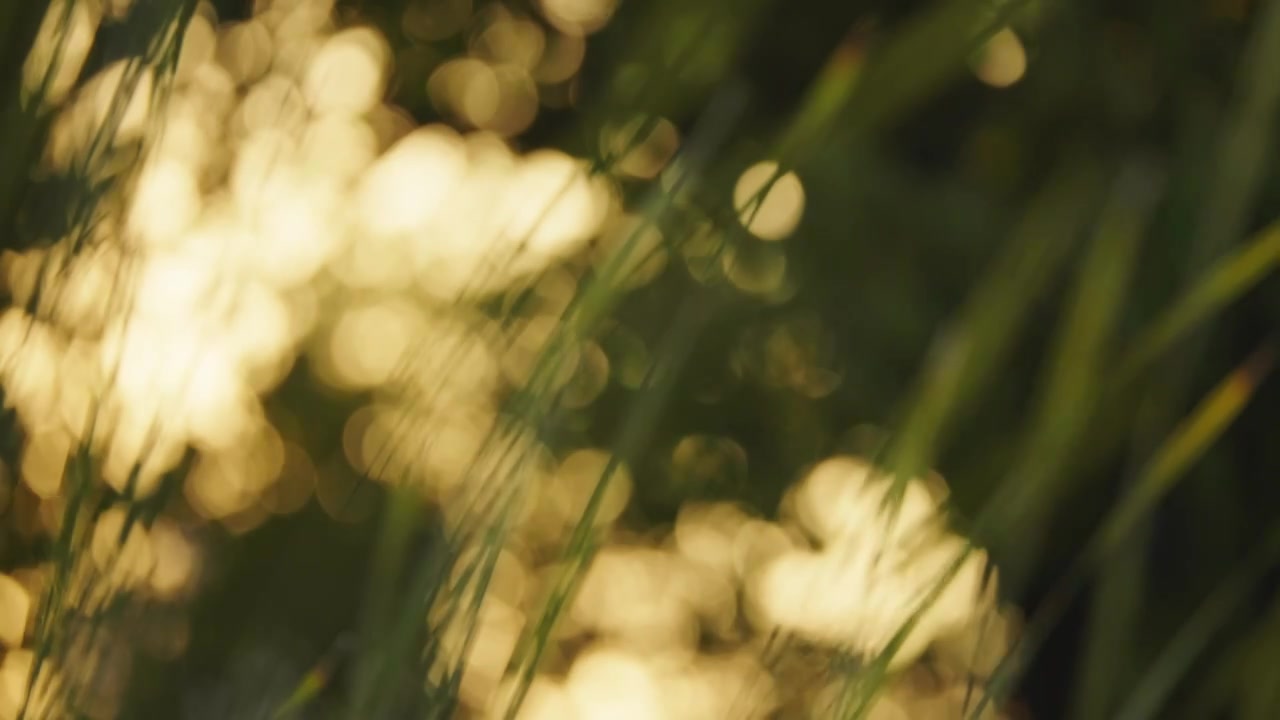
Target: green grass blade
<point>967,354</point>
<point>639,425</point>
<point>1114,610</point>
<point>860,691</point>
<point>1185,445</point>
<point>1229,279</point>
<point>373,658</point>
<point>924,55</point>
<point>1073,378</point>
<point>1244,151</point>
<point>1152,691</point>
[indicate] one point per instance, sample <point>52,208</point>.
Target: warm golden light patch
<point>705,460</point>
<point>245,50</point>
<point>554,206</point>
<point>769,204</point>
<point>611,683</point>
<point>338,147</point>
<point>15,607</point>
<point>589,379</point>
<point>61,46</point>
<point>368,342</point>
<point>44,462</point>
<point>579,17</point>
<point>642,599</point>
<point>1002,61</point>
<point>199,46</point>
<point>631,252</point>
<point>348,73</point>
<point>759,270</point>
<point>497,630</point>
<point>707,533</point>
<point>176,560</point>
<point>505,38</point>
<point>122,549</point>
<point>165,202</point>
<point>642,147</point>
<point>297,481</point>
<point>561,58</point>
<point>577,478</point>
<point>466,88</point>
<point>405,187</point>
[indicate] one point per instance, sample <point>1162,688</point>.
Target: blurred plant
<point>341,260</point>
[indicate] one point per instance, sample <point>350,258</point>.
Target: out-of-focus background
<point>286,282</point>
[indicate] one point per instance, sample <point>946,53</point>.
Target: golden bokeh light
<point>43,462</point>
<point>759,270</point>
<point>291,492</point>
<point>708,460</point>
<point>199,46</point>
<point>347,74</point>
<point>629,357</point>
<point>229,483</point>
<point>245,50</point>
<point>505,38</point>
<point>578,17</point>
<point>561,58</point>
<point>76,128</point>
<point>138,451</point>
<point>554,205</point>
<point>769,204</point>
<point>176,560</point>
<point>122,548</point>
<point>612,683</point>
<point>1002,61</point>
<point>466,88</point>
<point>368,342</point>
<point>576,480</point>
<point>15,669</point>
<point>707,534</point>
<point>589,379</point>
<point>528,340</point>
<point>642,147</point>
<point>15,608</point>
<point>405,187</point>
<point>61,46</point>
<point>640,598</point>
<point>338,147</point>
<point>165,203</point>
<point>545,699</point>
<point>497,630</point>
<point>632,250</point>
<point>288,213</point>
<point>873,565</point>
<point>293,18</point>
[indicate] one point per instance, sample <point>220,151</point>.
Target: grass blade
<point>1188,442</point>
<point>1074,376</point>
<point>1170,462</point>
<point>1151,693</point>
<point>966,355</point>
<point>641,420</point>
<point>1230,278</point>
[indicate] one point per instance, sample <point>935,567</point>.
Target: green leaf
<point>1219,286</point>
<point>1169,463</point>
<point>1152,691</point>
<point>966,356</point>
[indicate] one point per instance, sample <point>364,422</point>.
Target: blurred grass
<point>1172,459</point>
<point>1081,387</point>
